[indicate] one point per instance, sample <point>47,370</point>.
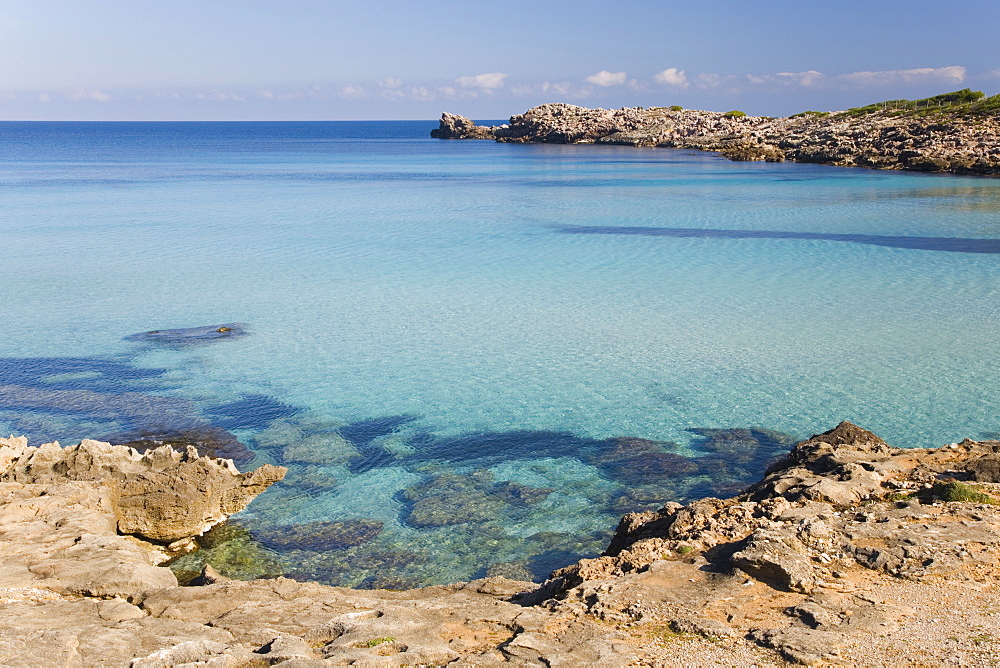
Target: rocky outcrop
<point>569,124</point>
<point>953,142</point>
<point>841,511</point>
<point>848,552</point>
<point>82,529</point>
<point>454,126</point>
<point>161,495</point>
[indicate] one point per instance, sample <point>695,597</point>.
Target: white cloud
<point>352,92</point>
<point>421,93</point>
<point>807,78</point>
<point>391,82</point>
<point>672,77</point>
<point>556,91</point>
<point>488,80</point>
<point>952,74</point>
<point>80,95</point>
<point>709,80</point>
<point>43,97</point>
<point>605,78</point>
<point>220,96</point>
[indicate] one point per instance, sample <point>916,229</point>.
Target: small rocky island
<point>847,552</point>
<point>955,132</point>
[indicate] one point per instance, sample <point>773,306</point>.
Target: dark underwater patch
<point>188,336</point>
<point>253,411</point>
<point>361,435</point>
<point>363,432</point>
<point>73,373</point>
<point>947,244</point>
<point>319,536</point>
<point>457,498</point>
<point>132,407</point>
<point>504,446</point>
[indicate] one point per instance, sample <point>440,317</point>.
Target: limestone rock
<point>897,575</point>
<point>162,495</point>
<point>195,652</point>
<point>806,647</point>
<point>777,558</point>
<point>63,538</point>
<point>985,468</point>
<point>453,126</point>
<point>958,142</point>
<point>826,468</point>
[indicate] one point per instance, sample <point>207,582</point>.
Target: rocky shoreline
<point>847,552</point>
<point>954,141</point>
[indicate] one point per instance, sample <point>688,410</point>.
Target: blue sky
<point>374,59</point>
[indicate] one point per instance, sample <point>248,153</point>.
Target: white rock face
<point>162,495</point>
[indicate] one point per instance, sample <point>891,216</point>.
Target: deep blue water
<point>442,335</point>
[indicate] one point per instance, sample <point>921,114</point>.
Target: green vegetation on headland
<point>963,101</point>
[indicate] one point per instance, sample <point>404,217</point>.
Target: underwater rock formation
<point>253,411</point>
<point>190,335</point>
<point>319,535</point>
<point>453,498</point>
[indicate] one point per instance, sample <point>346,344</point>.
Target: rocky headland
<point>847,552</point>
<point>955,132</point>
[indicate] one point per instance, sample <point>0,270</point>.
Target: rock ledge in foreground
<point>161,495</point>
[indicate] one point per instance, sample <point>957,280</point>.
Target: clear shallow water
<point>382,273</point>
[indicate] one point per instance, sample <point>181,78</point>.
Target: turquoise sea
<point>447,342</point>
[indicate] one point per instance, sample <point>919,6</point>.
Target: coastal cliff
<point>960,135</point>
<point>847,552</point>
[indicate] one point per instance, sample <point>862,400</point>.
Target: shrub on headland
<point>956,491</point>
<point>676,107</point>
<point>965,100</point>
<point>735,113</point>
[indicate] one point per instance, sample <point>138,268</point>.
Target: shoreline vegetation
<point>847,552</point>
<point>957,132</point>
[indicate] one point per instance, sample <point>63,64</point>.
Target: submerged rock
<point>328,449</point>
<point>337,535</point>
<point>230,550</point>
<point>745,445</point>
<point>252,411</point>
<point>132,407</point>
<point>190,335</point>
<point>453,498</point>
<point>650,467</point>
